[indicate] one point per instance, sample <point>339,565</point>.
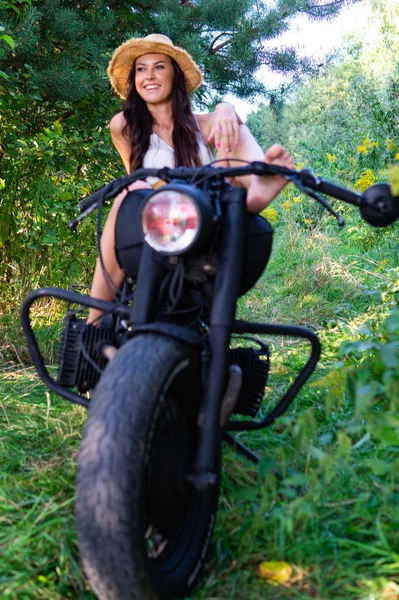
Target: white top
<point>160,154</point>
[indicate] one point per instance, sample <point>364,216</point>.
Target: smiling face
<point>154,77</point>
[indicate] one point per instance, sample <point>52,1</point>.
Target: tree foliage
<point>345,121</point>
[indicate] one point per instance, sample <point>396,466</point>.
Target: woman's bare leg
<point>102,288</point>
<point>105,288</point>
<point>261,190</point>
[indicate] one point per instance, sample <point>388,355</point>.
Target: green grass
<point>38,446</point>
<point>332,512</point>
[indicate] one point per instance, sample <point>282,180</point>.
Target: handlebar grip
<point>341,193</point>
<point>93,198</point>
<point>114,187</point>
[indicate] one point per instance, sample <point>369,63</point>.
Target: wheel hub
<point>168,491</point>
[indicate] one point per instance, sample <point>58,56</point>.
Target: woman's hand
<point>138,185</point>
<point>225,130</point>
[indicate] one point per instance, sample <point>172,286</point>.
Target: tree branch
<point>212,49</point>
<point>322,9</point>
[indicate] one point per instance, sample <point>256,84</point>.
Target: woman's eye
<point>160,67</point>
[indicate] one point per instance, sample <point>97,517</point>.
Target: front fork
<point>221,324</point>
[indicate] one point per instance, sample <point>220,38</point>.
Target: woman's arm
<point>120,141</point>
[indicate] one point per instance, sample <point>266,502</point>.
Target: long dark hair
<point>139,123</point>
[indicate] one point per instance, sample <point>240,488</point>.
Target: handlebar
<point>167,174</point>
<point>377,205</point>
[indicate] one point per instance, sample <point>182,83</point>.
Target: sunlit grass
<point>320,499</point>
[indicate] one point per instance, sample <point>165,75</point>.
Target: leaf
<point>352,347</point>
<point>307,509</point>
<point>14,8</point>
<point>363,329</point>
<point>386,420</point>
<point>265,466</point>
<point>297,479</point>
<point>288,492</point>
<point>8,39</point>
<point>378,467</point>
<point>364,397</point>
<point>245,494</point>
<point>388,354</point>
<point>325,439</point>
<point>387,436</point>
<point>392,322</point>
<point>50,238</point>
<point>64,196</point>
<point>316,453</point>
<point>275,570</point>
<point>364,346</point>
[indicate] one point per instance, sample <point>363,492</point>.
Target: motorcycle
<point>179,382</point>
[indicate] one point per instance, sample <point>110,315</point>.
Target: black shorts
<point>129,242</point>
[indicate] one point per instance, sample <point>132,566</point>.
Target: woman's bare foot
<point>263,189</point>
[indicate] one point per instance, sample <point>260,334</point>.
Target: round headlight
<point>172,218</point>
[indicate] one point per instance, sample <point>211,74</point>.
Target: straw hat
<point>124,56</point>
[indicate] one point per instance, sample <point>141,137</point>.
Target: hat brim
<point>124,57</point>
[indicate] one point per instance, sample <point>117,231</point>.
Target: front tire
<point>143,529</point>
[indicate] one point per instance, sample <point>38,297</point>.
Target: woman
<point>157,128</point>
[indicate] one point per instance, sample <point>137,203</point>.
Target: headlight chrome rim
<point>192,201</point>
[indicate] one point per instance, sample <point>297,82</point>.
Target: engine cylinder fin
<point>255,365</point>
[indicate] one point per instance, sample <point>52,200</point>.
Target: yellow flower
<point>297,199</point>
<point>286,205</point>
<point>307,221</point>
<point>366,179</point>
<point>393,173</point>
<point>390,145</point>
<point>382,264</point>
<point>331,157</point>
<point>270,214</point>
<point>396,157</point>
<point>363,147</point>
<point>300,166</point>
<point>366,146</point>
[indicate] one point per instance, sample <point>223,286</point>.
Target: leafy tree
<point>68,44</point>
<point>4,37</point>
<point>56,102</point>
<point>346,120</point>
